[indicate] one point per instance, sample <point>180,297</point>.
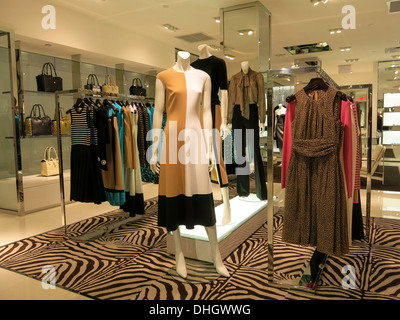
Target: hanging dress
<point>185,194</point>
<point>315,197</point>
<point>134,200</point>
<point>86,180</point>
<point>113,177</point>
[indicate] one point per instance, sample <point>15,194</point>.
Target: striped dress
<point>86,180</point>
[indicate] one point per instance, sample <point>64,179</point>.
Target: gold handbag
<point>109,87</point>
<point>49,165</point>
<point>65,124</point>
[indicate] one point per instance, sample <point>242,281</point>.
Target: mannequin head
<point>204,51</point>
<point>245,66</point>
<point>183,55</point>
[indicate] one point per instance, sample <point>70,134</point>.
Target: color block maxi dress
<point>315,197</point>
<point>185,194</point>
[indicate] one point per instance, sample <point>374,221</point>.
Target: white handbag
<point>49,165</point>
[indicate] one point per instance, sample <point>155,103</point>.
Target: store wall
<point>76,30</point>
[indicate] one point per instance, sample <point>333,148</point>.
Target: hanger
<point>110,105</point>
<point>316,84</point>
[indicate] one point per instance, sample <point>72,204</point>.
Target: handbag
<point>137,89</point>
<point>48,82</point>
<point>37,124</point>
<point>92,84</point>
<point>65,124</point>
<point>49,166</point>
<point>109,87</point>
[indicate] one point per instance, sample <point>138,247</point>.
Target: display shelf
<point>247,215</point>
<point>40,137</point>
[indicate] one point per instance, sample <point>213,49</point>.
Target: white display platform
<point>247,215</point>
<point>39,192</point>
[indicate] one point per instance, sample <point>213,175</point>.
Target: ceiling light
<point>169,27</point>
<point>317,2</point>
<point>345,49</point>
<point>217,19</point>
<point>351,60</point>
<point>246,31</point>
<point>333,31</point>
<point>229,57</point>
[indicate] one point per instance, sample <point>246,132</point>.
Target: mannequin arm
<point>157,123</point>
<point>207,119</point>
<point>224,114</point>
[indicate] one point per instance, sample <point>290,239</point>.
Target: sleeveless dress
<point>185,193</point>
<point>315,197</point>
<point>86,180</point>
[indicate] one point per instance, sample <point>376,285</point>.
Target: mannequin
<point>216,69</point>
<point>245,68</point>
<point>181,83</point>
<point>247,113</point>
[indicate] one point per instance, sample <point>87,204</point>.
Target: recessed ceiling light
<point>317,2</point>
<point>169,27</point>
<point>246,31</point>
<point>333,31</point>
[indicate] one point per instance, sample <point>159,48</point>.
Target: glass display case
<point>10,179</point>
<point>74,75</point>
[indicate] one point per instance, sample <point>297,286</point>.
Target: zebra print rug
<point>130,262</point>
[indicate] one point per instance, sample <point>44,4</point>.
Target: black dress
<point>86,180</point>
<point>279,127</point>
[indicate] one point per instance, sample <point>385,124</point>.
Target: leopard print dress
<point>315,197</point>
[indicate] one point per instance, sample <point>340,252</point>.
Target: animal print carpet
<point>131,262</point>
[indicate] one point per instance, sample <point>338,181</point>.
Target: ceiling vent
<point>393,7</point>
<point>195,37</point>
<point>344,68</point>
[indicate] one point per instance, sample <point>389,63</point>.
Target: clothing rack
<point>81,93</point>
<point>318,259</point>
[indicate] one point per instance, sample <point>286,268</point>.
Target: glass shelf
<point>39,137</point>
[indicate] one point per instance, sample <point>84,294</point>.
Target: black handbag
<point>38,124</point>
<point>48,82</point>
<point>92,84</point>
<point>137,89</point>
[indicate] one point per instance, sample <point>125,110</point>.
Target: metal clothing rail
<point>319,259</point>
<point>89,94</point>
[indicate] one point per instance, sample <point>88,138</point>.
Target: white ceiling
<point>294,22</point>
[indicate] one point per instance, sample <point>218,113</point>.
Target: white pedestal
<point>247,215</point>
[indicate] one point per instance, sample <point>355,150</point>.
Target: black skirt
<point>86,181</point>
<point>187,211</point>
